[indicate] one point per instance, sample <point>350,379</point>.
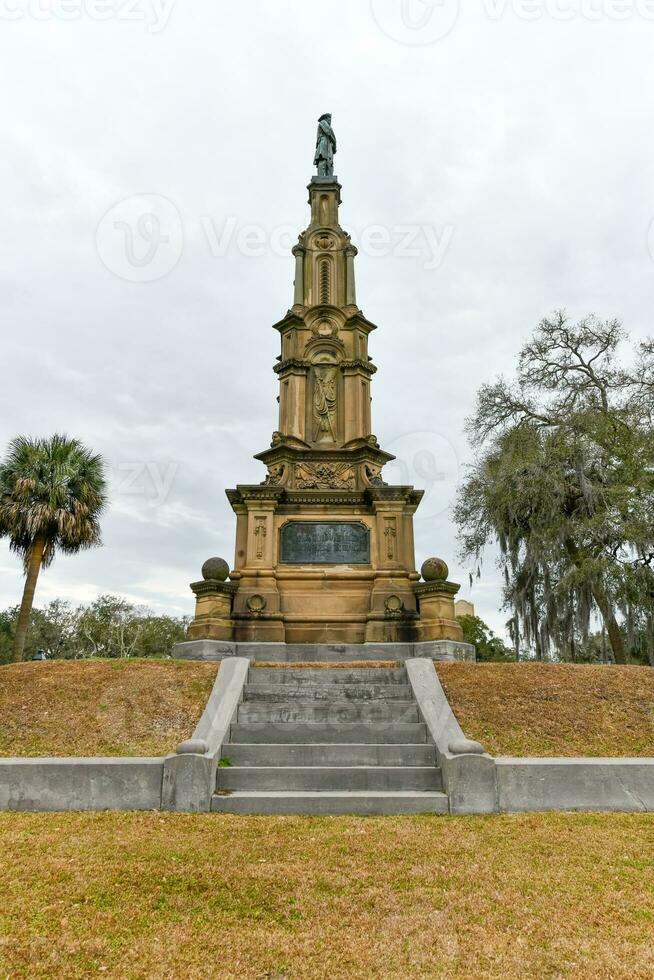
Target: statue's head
<point>327,116</point>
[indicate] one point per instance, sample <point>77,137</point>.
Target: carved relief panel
<point>260,535</point>
<point>390,537</point>
<point>324,421</point>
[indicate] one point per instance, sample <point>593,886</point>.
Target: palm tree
<point>52,492</point>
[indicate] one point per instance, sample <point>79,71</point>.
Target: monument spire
<point>324,547</point>
<point>324,368</point>
<point>324,263</point>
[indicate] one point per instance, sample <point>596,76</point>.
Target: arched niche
<point>325,394</point>
<point>324,284</point>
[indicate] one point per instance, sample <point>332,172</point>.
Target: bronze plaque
<point>325,543</point>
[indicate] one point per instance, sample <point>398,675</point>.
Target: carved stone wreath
<point>394,606</point>
<point>324,328</point>
<point>256,604</point>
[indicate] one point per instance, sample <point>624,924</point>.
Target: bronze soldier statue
<point>325,146</point>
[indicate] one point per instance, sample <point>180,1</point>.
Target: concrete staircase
<point>328,741</point>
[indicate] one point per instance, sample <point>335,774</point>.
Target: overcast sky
<point>496,164</point>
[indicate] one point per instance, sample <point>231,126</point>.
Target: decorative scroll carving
<point>277,476</point>
<point>325,476</point>
<point>325,403</point>
<point>372,475</point>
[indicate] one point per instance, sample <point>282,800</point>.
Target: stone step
<point>327,652</point>
<point>308,732</point>
<point>334,712</point>
<point>327,676</point>
<point>328,692</point>
<point>324,778</point>
<point>330,755</point>
<point>308,803</point>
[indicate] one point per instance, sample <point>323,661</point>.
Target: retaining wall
<point>474,781</point>
<point>575,784</point>
<point>478,783</point>
<point>81,784</point>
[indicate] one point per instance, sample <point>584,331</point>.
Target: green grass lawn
<point>177,896</point>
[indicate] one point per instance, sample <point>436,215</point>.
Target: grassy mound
<point>565,896</point>
<point>100,707</point>
<point>554,709</point>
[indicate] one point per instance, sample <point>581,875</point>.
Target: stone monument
<point>324,546</point>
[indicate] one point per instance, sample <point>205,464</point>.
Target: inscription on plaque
<point>325,543</point>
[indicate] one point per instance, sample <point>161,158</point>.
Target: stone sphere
<point>435,570</point>
<point>215,570</point>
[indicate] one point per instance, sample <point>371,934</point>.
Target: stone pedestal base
<point>213,611</point>
<point>212,650</point>
<point>437,615</point>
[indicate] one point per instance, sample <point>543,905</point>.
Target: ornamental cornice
<point>259,492</point>
<point>214,587</point>
<point>349,498</point>
<point>436,588</point>
<point>292,364</point>
<point>359,364</point>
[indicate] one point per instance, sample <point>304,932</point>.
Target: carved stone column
<point>292,398</point>
<point>393,611</point>
<point>299,252</point>
<point>257,616</point>
<point>351,253</point>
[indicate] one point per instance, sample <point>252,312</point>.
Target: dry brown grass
<point>554,709</point>
<point>162,895</point>
<point>100,707</point>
